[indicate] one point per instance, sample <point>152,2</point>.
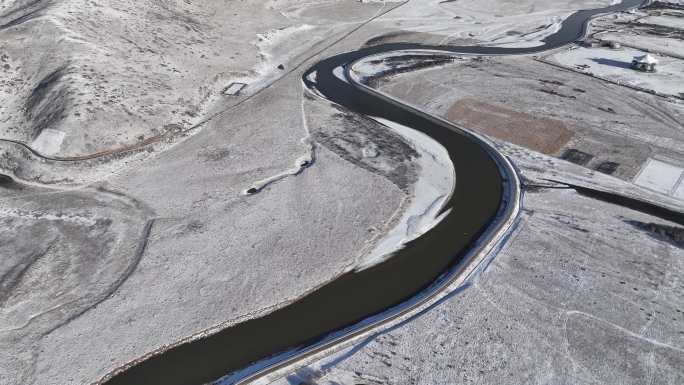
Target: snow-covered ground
<point>654,30</point>
<point>524,22</point>
<point>664,20</point>
<point>118,74</point>
<point>582,293</point>
<point>434,186</point>
<point>662,175</point>
<point>658,44</point>
<point>615,65</point>
<point>112,74</point>
<point>107,73</point>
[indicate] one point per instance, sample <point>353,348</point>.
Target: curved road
<point>483,207</point>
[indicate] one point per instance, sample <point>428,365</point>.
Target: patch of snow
<point>276,47</point>
<point>339,73</point>
<point>665,45</point>
<point>49,141</point>
<point>666,21</point>
<point>660,176</point>
<point>533,39</point>
<point>434,187</point>
<point>364,68</point>
<point>312,77</point>
<point>234,88</point>
<point>436,179</point>
<point>379,63</point>
<point>485,22</point>
<point>34,215</point>
<point>520,44</point>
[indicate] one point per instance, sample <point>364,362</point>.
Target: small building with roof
<point>645,63</point>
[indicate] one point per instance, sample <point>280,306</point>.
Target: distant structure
<point>590,43</point>
<point>645,63</point>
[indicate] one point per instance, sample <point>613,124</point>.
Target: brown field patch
<point>544,135</point>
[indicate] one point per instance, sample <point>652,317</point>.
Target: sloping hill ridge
<point>79,77</point>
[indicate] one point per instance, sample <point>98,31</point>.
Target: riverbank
<point>580,279</point>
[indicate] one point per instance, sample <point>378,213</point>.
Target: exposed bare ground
<point>541,134</point>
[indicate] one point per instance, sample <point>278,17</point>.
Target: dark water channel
<point>355,296</point>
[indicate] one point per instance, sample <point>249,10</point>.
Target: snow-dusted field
<point>614,64</point>
<point>662,176</point>
<point>114,73</point>
<point>129,253</point>
<point>586,292</point>
<point>607,121</point>
<point>664,20</point>
<point>481,22</point>
<point>656,30</point>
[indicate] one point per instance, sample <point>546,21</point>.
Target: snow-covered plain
<point>482,22</point>
<point>115,73</point>
<point>652,30</point>
<point>614,64</point>
<point>433,187</point>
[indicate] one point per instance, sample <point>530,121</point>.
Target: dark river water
<point>357,295</point>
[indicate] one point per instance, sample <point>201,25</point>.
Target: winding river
<point>480,212</point>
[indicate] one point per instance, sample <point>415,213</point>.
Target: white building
<point>646,63</point>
